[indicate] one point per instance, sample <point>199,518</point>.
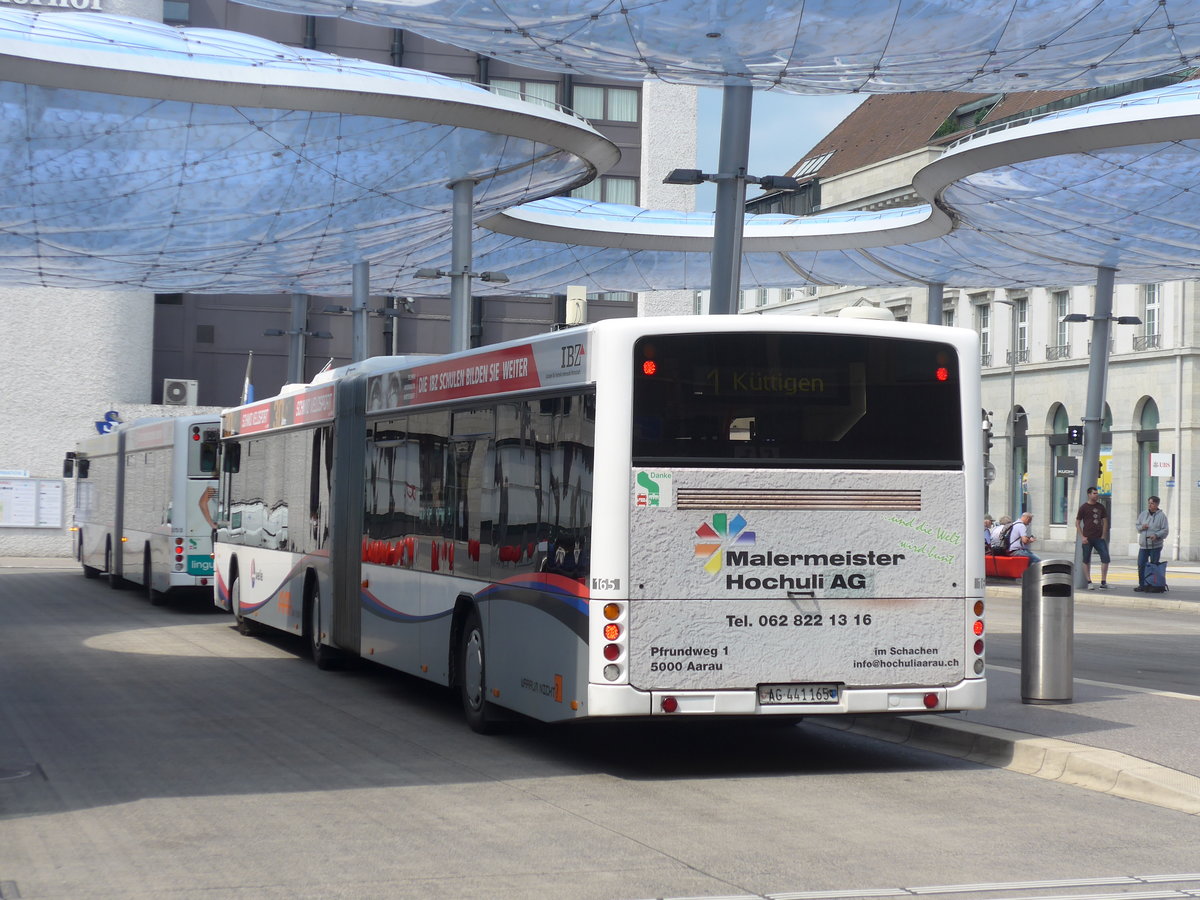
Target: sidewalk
<point>1183,581</point>
<point>1129,742</point>
<point>37,562</point>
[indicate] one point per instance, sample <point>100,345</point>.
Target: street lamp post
<point>1014,491</point>
<point>297,334</point>
<point>1093,417</point>
<point>731,181</point>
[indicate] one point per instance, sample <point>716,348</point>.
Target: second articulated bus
<point>144,496</point>
<point>642,517</point>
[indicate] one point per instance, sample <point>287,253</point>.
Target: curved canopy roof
<point>818,46</point>
<point>309,163</point>
<point>1041,202</point>
<point>134,154</point>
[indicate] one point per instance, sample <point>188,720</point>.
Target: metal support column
<point>1093,417</point>
<point>935,303</point>
<point>726,281</point>
<point>296,335</point>
<point>460,265</point>
<point>1015,487</point>
<point>361,288</point>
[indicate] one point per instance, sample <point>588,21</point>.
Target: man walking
<point>1152,530</point>
<point>1091,522</point>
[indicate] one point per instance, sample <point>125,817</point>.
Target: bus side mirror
<point>231,458</point>
<point>69,466</point>
<point>82,467</point>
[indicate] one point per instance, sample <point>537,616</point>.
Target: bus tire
<point>472,676</point>
<point>115,581</point>
<point>155,598</point>
<point>322,654</point>
<point>240,622</point>
<point>88,571</point>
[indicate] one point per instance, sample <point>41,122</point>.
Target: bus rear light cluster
<point>614,635</point>
<point>977,628</point>
<point>178,555</point>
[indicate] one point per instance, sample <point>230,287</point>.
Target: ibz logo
<point>714,538</point>
<point>572,355</point>
<point>256,574</point>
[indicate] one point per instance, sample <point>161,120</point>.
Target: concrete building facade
<point>1034,366</point>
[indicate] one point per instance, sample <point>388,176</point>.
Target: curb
<point>37,562</point>
<point>1105,771</point>
<point>1097,598</point>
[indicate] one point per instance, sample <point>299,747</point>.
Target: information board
<point>31,503</point>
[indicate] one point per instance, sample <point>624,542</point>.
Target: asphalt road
<point>155,753</point>
<point>1156,649</point>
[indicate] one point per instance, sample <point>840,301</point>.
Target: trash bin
<point>1047,631</point>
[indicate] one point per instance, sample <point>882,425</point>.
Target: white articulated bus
<point>144,498</point>
<point>642,517</point>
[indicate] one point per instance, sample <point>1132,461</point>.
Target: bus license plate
<point>779,694</point>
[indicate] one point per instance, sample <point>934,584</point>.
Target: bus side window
<point>231,458</point>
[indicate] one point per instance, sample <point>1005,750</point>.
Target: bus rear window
<point>796,400</point>
<point>203,446</point>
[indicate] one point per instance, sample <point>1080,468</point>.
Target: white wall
<point>69,356</point>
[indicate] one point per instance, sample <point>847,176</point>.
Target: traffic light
<point>987,432</point>
<point>1074,434</point>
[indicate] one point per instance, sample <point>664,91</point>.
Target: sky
<point>783,128</point>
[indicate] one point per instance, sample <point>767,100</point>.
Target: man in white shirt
<point>1020,538</point>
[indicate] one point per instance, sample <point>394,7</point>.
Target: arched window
<point>1020,462</point>
<point>1147,443</point>
<point>1104,478</point>
<point>1059,448</point>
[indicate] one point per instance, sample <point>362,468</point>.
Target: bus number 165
<point>606,584</point>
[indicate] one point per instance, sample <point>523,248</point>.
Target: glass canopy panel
<point>103,189</point>
<point>819,46</point>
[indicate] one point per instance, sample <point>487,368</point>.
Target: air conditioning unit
<point>179,391</point>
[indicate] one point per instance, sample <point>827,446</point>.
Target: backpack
<point>1001,541</point>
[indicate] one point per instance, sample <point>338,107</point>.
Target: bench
<point>1005,566</point>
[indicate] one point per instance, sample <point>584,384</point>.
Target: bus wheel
<point>240,622</point>
<point>322,654</point>
<point>155,598</point>
<point>472,677</point>
<point>115,581</point>
<point>88,571</point>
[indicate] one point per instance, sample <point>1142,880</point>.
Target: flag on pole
<point>247,387</point>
